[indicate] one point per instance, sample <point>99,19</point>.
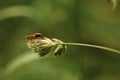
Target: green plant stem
<point>94,46</point>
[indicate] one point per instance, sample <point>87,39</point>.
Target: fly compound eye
<point>33,36</point>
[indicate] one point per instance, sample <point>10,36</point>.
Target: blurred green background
<point>85,21</point>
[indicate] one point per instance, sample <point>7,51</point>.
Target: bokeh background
<point>84,21</point>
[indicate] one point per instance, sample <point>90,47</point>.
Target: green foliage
<point>86,21</point>
<point>31,66</point>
